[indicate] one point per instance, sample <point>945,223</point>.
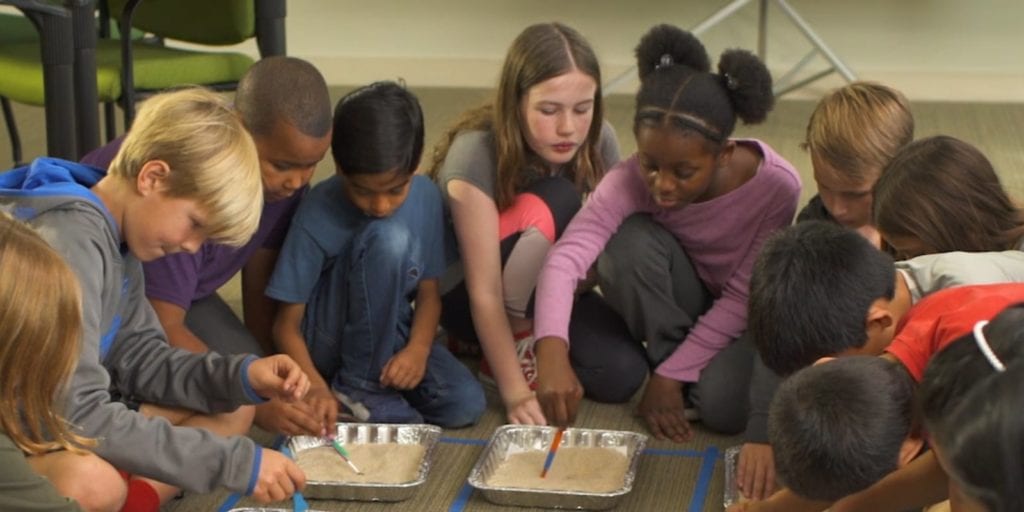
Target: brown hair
<point>944,192</point>
<point>40,332</point>
<point>858,129</point>
<point>541,52</point>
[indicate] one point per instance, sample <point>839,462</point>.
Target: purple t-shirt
<point>183,278</point>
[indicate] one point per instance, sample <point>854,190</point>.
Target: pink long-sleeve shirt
<point>722,237</point>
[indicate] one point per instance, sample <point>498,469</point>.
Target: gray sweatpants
<point>213,321</point>
<point>649,280</point>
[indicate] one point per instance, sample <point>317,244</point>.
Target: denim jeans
<point>361,315</point>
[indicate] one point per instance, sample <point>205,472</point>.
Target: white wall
<point>931,49</point>
<point>944,49</point>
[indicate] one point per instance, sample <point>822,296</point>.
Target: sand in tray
<point>577,469</point>
<point>381,463</point>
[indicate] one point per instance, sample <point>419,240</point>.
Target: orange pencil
<point>551,453</point>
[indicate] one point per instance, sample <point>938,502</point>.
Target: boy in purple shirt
<point>285,105</point>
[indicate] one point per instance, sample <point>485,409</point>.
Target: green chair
<point>120,71</point>
<point>36,67</point>
<point>14,29</point>
<point>147,66</point>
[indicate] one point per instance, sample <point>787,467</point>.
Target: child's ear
<point>910,449</point>
<point>725,155</point>
<point>151,176</point>
<point>879,318</point>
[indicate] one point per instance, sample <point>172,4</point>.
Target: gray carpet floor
<point>670,477</point>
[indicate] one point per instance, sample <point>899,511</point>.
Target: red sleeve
<point>942,318</point>
<point>916,342</point>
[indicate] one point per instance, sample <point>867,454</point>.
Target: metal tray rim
<point>475,478</point>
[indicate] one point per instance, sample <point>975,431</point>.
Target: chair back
<point>209,22</point>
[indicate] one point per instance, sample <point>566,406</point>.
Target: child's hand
<point>406,368</point>
<point>325,407</point>
<point>278,376</point>
<point>755,472</point>
<point>279,477</point>
<point>740,507</point>
<point>290,418</point>
<point>525,411</point>
<point>558,389</point>
<point>662,409</point>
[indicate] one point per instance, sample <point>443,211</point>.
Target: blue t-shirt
<point>325,223</point>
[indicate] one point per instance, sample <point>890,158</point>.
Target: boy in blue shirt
<point>364,245</point>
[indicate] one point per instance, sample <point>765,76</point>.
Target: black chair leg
<point>110,121</point>
<point>12,130</point>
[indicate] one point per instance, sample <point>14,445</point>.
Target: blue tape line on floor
<point>673,453</point>
<point>278,441</point>
<point>230,502</point>
<point>460,440</point>
<point>707,470</point>
<point>462,498</point>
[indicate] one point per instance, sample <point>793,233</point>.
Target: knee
<point>633,251</point>
<point>727,419</point>
<point>616,382</point>
<point>93,483</point>
<point>723,410</point>
<point>631,232</point>
<point>386,240</point>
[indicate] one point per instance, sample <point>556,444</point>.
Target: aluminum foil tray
<point>517,438</point>
<point>732,492</point>
<point>368,433</point>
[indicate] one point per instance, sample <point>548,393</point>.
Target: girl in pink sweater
<point>680,224</point>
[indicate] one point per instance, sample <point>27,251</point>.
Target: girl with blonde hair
<point>40,327</point>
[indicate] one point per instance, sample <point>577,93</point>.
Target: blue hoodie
<point>124,348</point>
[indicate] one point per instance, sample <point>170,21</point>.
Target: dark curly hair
<point>678,87</point>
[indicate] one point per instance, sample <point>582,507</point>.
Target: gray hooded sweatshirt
<point>124,349</point>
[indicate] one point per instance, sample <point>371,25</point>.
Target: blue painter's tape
<point>462,499</point>
<point>278,441</point>
<point>459,440</point>
<point>674,453</point>
<point>230,502</point>
<point>707,470</point>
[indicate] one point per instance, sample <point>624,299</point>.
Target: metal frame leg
<point>708,22</point>
<point>782,85</point>
<point>12,130</point>
<point>816,41</point>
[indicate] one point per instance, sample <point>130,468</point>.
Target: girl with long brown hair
<point>512,174</point>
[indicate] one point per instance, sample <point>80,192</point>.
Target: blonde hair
<point>541,52</point>
<point>211,156</point>
<point>40,332</point>
<point>857,129</point>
